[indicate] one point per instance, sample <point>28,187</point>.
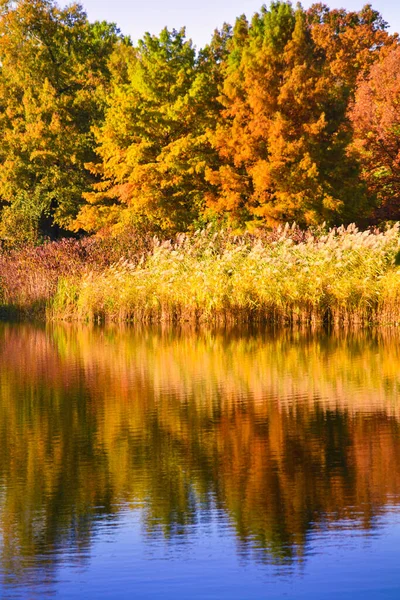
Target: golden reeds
<point>344,276</point>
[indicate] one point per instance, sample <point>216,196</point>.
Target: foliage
<point>30,275</point>
<point>153,142</point>
<point>376,119</point>
<point>284,134</point>
<point>344,276</point>
<point>53,62</point>
<point>253,130</point>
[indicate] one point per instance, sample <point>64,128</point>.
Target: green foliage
<point>153,143</point>
<point>53,61</point>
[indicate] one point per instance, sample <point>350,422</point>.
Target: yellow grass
<point>345,276</point>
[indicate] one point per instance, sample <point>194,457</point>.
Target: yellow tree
<point>153,145</point>
<point>52,63</point>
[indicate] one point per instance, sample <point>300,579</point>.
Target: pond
<point>187,464</point>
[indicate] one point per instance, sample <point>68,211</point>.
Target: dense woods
<point>280,118</point>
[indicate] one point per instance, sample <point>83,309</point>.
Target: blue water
<point>148,464</point>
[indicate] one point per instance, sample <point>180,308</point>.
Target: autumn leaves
<point>277,119</point>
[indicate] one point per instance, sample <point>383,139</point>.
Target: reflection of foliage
<point>280,433</point>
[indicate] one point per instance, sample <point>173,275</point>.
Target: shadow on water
<point>277,433</point>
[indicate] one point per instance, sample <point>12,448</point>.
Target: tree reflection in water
<point>282,433</point>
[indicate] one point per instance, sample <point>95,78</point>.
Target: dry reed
<point>344,277</point>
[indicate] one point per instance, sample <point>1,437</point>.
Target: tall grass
<point>289,276</point>
<point>30,276</point>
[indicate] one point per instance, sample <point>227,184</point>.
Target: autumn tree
<point>52,62</point>
<point>98,135</point>
<point>376,118</point>
<point>284,137</point>
<point>153,145</point>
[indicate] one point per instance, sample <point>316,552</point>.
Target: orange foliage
<point>376,120</point>
<point>284,135</point>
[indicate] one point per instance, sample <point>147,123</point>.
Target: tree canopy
<point>376,120</point>
<point>284,134</point>
<point>274,120</point>
<point>153,143</point>
<point>53,63</point>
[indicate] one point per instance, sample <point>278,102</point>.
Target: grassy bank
<point>345,276</point>
<point>30,276</point>
<point>287,276</point>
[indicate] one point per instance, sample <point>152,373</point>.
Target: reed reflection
<point>280,433</point>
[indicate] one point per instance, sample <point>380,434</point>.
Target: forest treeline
<point>291,116</point>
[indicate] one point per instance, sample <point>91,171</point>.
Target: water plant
<point>288,276</point>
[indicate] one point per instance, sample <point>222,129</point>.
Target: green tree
<point>53,61</point>
<point>154,144</point>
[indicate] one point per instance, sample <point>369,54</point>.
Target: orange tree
<point>284,135</point>
<point>376,119</point>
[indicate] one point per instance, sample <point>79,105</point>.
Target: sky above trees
<point>135,17</point>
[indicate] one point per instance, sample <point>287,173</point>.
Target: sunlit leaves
<point>376,118</point>
<point>153,145</point>
<point>53,64</point>
<point>99,135</point>
<point>284,134</point>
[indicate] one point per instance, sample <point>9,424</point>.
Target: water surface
<point>199,464</point>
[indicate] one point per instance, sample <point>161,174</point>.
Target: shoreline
<point>341,278</point>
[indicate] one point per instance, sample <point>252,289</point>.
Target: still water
<point>199,464</point>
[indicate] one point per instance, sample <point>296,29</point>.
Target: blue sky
<point>201,17</point>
